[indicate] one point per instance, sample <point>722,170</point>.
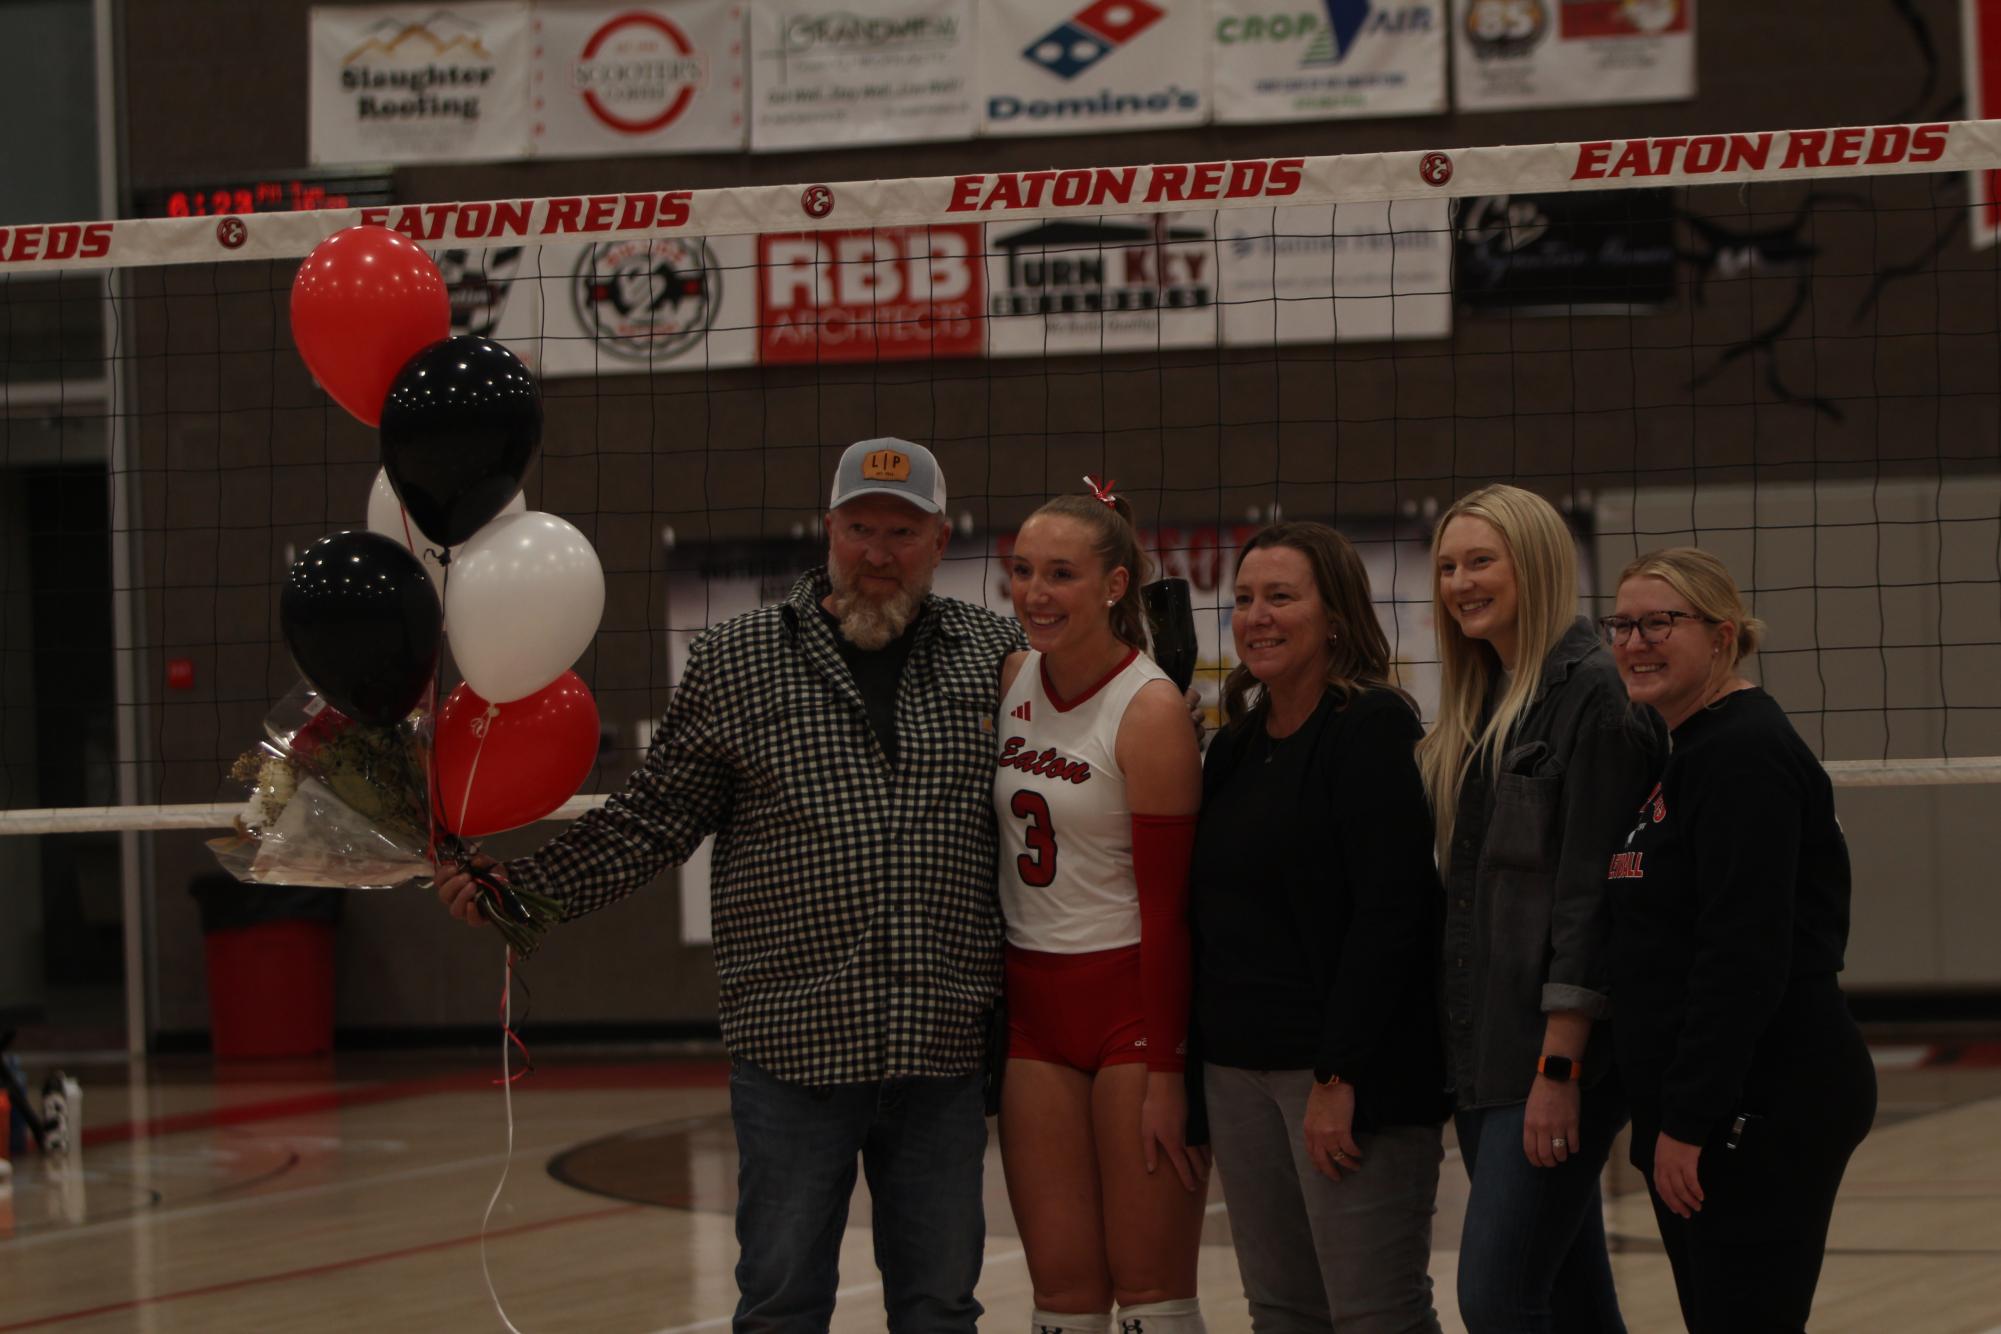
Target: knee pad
<point>1050,1322</point>
<point>1180,1316</point>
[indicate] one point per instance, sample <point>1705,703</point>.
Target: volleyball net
<point>1777,345</point>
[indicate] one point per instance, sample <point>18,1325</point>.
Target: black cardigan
<point>1364,895</point>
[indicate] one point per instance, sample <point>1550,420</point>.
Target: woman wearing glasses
<point>1533,770</point>
<point>1749,1081</point>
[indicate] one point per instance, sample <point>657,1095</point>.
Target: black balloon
<point>459,429</point>
<point>362,621</point>
<point>1173,622</point>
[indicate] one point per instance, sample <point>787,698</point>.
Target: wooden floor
<point>335,1196</point>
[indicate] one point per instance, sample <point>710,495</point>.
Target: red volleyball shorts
<point>1079,1010</point>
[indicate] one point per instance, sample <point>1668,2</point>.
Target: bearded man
<point>841,747</point>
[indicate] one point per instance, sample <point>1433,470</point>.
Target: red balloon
<point>505,765</point>
<point>364,302</point>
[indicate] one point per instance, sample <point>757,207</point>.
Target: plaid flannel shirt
<point>857,926</point>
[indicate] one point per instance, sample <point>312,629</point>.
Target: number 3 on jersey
<point>1037,866</point>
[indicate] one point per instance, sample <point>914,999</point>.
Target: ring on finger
<point>1559,1143</point>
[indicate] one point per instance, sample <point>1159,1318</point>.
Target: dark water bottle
<point>1173,622</point>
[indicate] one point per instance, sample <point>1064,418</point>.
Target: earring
<point>1111,602</point>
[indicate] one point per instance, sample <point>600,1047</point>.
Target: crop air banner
<point>1335,274</point>
<point>1286,60</point>
<point>1544,53</point>
<point>827,72</point>
<point>418,83</point>
<point>1089,66</point>
<point>653,78</point>
<point>659,303</point>
<point>1980,38</point>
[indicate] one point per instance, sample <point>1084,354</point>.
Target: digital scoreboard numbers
<point>277,192</point>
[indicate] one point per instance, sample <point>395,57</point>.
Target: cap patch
<point>886,465</point>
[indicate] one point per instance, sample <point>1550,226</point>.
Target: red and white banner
<point>647,303</point>
<point>649,78</point>
<point>1980,38</point>
<point>418,83</point>
<point>1016,196</point>
<point>1547,53</point>
<point>860,72</point>
<point>884,294</point>
<point>1088,66</point>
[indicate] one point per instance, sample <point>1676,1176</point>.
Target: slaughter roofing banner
<point>1088,66</point>
<point>1284,60</point>
<point>418,83</point>
<point>860,71</point>
<point>652,78</point>
<point>1543,53</point>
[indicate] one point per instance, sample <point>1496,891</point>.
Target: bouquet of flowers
<point>339,803</point>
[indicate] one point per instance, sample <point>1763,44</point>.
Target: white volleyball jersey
<point>1066,865</point>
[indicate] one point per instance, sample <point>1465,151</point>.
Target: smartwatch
<point>1560,1067</point>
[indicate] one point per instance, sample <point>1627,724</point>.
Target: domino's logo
<point>1092,33</point>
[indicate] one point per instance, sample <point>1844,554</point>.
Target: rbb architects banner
<point>865,71</point>
<point>613,79</point>
<point>418,83</point>
<point>1980,38</point>
<point>1125,283</point>
<point>1539,53</point>
<point>1285,60</point>
<point>1088,66</point>
<point>663,303</point>
<point>1587,252</point>
<point>885,294</point>
<point>1368,272</point>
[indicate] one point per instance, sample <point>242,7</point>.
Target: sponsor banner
<point>1088,66</point>
<point>1980,39</point>
<point>1544,53</point>
<point>1317,59</point>
<point>1109,284</point>
<point>1352,273</point>
<point>885,294</point>
<point>647,304</point>
<point>649,78</point>
<point>860,71</point>
<point>418,83</point>
<point>1020,196</point>
<point>1567,254</point>
<point>491,298</point>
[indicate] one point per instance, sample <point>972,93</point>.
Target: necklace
<point>1273,743</point>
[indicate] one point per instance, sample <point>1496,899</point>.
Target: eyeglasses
<point>1654,626</point>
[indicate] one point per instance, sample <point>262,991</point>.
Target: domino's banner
<point>654,78</point>
<point>1273,60</point>
<point>1546,53</point>
<point>1089,66</point>
<point>860,72</point>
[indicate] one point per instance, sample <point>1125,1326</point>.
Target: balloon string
<point>480,727</point>
<point>507,1098</point>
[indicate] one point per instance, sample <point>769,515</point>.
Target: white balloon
<point>385,516</point>
<point>523,603</point>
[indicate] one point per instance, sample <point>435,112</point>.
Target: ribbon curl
<point>1102,490</point>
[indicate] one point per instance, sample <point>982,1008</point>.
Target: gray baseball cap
<point>887,466</point>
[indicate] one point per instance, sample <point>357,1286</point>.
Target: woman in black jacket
<point>1750,1083</point>
<point>1317,913</point>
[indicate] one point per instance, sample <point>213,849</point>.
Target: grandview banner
<point>656,78</point>
<point>418,83</point>
<point>1347,273</point>
<point>1272,61</point>
<point>1089,66</point>
<point>827,72</point>
<point>1542,53</point>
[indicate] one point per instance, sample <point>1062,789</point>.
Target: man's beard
<point>868,622</point>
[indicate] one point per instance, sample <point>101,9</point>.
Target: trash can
<point>270,951</point>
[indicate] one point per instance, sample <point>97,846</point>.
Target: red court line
<point>311,1271</point>
<point>679,1074</point>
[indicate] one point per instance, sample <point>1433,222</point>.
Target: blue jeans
<point>1533,1260</point>
<point>923,1143</point>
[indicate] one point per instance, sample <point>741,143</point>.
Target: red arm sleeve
<point>1162,845</point>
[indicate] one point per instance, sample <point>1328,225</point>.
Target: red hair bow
<point>1102,490</point>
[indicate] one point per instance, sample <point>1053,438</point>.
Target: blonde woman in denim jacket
<point>1534,768</point>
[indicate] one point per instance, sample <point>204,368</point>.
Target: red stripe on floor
<point>685,1074</point>
<point>358,1262</point>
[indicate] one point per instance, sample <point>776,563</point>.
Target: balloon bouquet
<point>360,782</point>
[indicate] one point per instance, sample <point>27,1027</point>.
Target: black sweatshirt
<point>1317,907</point>
<point>1730,893</point>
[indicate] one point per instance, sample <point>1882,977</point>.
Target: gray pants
<point>1352,1255</point>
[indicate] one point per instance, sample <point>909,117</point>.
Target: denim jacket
<point>1526,917</point>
